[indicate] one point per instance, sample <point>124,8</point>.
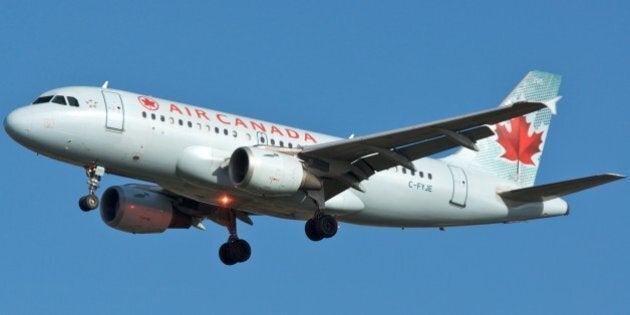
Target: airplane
<point>208,164</point>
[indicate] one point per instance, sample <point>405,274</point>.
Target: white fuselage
<point>144,138</point>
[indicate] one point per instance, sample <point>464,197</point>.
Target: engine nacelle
<point>269,173</point>
<point>133,209</point>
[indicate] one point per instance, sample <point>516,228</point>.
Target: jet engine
<point>265,172</point>
<point>135,209</point>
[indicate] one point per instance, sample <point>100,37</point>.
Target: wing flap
<point>426,148</point>
<point>559,189</point>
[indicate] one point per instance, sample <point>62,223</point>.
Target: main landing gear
<point>235,250</point>
<point>90,201</point>
<point>321,226</point>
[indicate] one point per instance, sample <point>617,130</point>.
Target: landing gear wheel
<point>242,249</point>
<point>226,255</point>
<point>311,233</point>
<point>88,203</point>
<point>326,226</point>
<point>320,227</point>
<point>236,251</point>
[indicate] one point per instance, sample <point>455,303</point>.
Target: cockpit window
<point>43,99</point>
<point>59,99</point>
<point>73,101</point>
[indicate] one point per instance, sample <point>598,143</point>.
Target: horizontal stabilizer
<point>559,189</point>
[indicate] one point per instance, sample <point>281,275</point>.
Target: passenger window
<point>144,114</point>
<point>171,120</point>
<point>421,174</point>
<point>189,124</point>
<point>281,143</point>
<point>153,116</point>
<point>273,142</point>
<point>225,132</point>
<point>430,176</point>
<point>162,118</point>
<point>216,130</point>
<point>73,101</point>
<point>290,145</point>
<point>234,133</point>
<point>43,99</point>
<point>262,139</point>
<point>59,99</point>
<point>404,170</point>
<point>181,122</point>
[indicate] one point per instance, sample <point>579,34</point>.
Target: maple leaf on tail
<point>518,144</point>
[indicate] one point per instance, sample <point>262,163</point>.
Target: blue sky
<point>339,68</point>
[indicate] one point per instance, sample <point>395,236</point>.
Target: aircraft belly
<point>396,200</point>
<point>297,207</point>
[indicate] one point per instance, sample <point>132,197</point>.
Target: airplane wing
<point>345,163</point>
<point>550,191</point>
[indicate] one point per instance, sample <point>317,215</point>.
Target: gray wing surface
<point>361,157</point>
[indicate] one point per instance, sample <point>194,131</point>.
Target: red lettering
<point>258,126</point>
<point>221,119</point>
<point>307,137</point>
<point>201,114</point>
<point>275,129</point>
<point>187,110</point>
<point>292,133</point>
<point>174,108</point>
<point>239,122</point>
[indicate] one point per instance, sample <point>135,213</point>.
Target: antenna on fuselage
<point>105,84</point>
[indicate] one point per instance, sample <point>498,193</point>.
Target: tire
<point>83,205</point>
<point>91,201</point>
<point>311,232</point>
<point>226,255</point>
<point>241,250</point>
<point>326,226</point>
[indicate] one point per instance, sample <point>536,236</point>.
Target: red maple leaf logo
<point>518,144</point>
<point>148,103</point>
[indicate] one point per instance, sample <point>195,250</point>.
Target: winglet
<point>551,104</point>
<point>105,84</point>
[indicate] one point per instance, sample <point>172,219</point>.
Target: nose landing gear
<point>90,201</point>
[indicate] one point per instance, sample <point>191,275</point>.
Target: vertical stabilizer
<point>515,149</point>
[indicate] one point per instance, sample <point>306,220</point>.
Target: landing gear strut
<point>235,250</point>
<point>320,227</point>
<point>90,201</point>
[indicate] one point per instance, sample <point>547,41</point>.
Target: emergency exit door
<point>460,186</point>
<point>115,111</point>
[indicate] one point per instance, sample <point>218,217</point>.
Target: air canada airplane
<point>226,168</point>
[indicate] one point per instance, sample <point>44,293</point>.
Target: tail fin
<point>515,149</point>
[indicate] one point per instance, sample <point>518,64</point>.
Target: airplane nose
<point>17,125</point>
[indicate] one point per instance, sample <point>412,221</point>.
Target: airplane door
<point>114,109</point>
<point>460,186</point>
<point>261,137</point>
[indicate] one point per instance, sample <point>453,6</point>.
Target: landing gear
<point>235,250</point>
<point>90,201</point>
<point>320,227</point>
